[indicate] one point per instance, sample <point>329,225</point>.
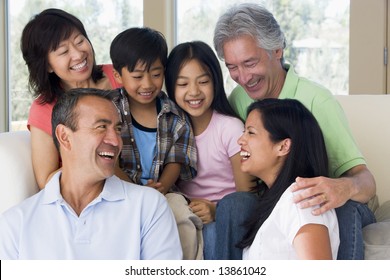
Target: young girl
<point>194,81</point>
<point>283,141</point>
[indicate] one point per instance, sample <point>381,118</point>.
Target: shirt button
<point>138,166</point>
<point>132,139</point>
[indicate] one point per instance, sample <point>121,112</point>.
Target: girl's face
<point>260,157</point>
<point>194,89</point>
<point>72,61</point>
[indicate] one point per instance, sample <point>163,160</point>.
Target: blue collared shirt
<point>125,221</point>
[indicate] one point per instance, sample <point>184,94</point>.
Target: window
<point>317,34</point>
<point>317,37</point>
<point>102,19</point>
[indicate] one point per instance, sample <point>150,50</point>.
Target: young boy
<point>158,142</point>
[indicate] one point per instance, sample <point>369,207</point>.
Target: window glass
<point>317,34</point>
<point>102,19</point>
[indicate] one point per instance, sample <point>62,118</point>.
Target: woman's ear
<point>284,147</point>
<point>62,134</point>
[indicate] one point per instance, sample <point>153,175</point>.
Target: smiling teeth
<point>79,66</point>
<point>194,102</point>
<point>252,84</point>
<point>145,93</point>
<point>107,154</point>
<point>245,154</point>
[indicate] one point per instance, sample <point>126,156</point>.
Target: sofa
<point>368,116</point>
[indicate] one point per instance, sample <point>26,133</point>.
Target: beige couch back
<point>369,118</point>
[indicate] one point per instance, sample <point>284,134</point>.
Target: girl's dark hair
<point>138,44</point>
<point>287,118</point>
<point>43,34</point>
<point>203,53</point>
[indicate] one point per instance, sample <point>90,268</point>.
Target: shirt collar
<point>168,106</point>
<point>113,190</point>
<point>290,83</point>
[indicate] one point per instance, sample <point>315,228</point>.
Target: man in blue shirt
<point>84,212</point>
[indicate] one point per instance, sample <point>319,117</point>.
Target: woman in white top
<point>282,141</point>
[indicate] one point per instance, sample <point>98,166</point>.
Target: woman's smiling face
<point>260,156</point>
<point>72,61</point>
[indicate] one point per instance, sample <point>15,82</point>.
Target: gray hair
<point>248,19</point>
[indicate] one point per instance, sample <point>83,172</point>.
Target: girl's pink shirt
<point>216,145</point>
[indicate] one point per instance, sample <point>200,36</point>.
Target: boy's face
<point>142,86</point>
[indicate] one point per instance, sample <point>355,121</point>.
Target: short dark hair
<point>43,34</point>
<point>138,44</point>
<point>64,111</point>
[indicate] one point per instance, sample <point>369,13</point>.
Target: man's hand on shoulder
<point>326,192</point>
<point>356,184</point>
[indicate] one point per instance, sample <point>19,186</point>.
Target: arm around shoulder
<point>362,183</point>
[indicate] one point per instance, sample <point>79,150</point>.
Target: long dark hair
<point>287,118</point>
<point>43,34</point>
<point>203,53</point>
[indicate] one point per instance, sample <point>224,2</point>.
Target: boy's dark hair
<point>138,44</point>
<point>43,34</point>
<point>64,112</point>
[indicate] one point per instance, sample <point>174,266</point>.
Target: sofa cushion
<point>16,172</point>
<point>377,235</point>
<point>383,212</point>
<point>373,204</point>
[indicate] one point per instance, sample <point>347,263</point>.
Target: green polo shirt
<point>342,150</point>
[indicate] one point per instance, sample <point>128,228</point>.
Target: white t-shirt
<point>216,145</point>
<point>274,239</point>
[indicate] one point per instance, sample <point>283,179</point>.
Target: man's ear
<point>117,76</point>
<point>63,136</point>
<point>278,53</point>
<point>284,147</point>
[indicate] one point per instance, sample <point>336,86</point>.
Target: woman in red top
<point>59,56</point>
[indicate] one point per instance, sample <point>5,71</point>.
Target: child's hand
<point>155,185</point>
<point>204,209</point>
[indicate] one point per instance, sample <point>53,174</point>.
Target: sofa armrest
<point>16,172</point>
